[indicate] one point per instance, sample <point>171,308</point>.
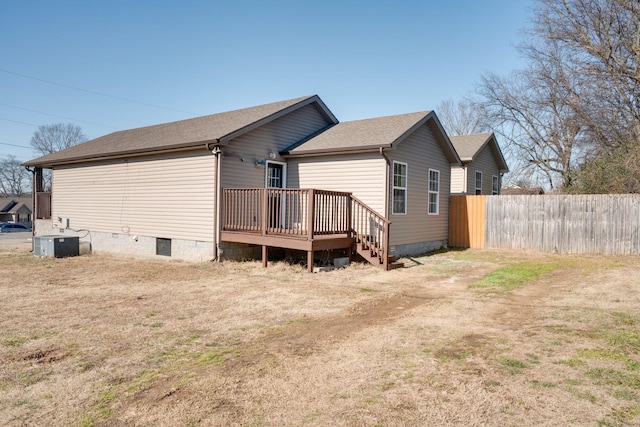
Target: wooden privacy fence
<point>467,221</point>
<point>608,224</point>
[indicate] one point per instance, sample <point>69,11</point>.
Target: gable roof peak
<point>468,146</point>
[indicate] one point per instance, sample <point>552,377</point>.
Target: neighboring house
<point>17,210</point>
<point>483,165</point>
<point>284,175</point>
<point>518,191</point>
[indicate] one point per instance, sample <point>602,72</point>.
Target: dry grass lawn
<point>101,340</point>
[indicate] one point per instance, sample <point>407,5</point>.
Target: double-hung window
<point>434,192</point>
<point>399,203</point>
<point>478,182</point>
<point>495,185</point>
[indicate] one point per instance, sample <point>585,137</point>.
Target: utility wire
<point>14,145</point>
<point>16,121</point>
<point>55,115</point>
<point>94,92</point>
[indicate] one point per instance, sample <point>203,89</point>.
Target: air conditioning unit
<point>56,246</point>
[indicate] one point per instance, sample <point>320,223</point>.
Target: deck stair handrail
<point>371,233</point>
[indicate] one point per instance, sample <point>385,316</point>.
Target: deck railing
<point>286,211</point>
<point>305,213</point>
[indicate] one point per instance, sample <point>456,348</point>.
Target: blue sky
<point>140,63</point>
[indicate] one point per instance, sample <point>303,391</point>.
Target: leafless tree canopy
<point>464,117</point>
<point>578,100</point>
<point>13,177</point>
<point>51,138</point>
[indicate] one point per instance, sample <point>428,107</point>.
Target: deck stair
<point>366,251</point>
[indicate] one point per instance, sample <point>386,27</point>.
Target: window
<point>478,182</point>
<point>275,175</point>
<point>399,203</point>
<point>434,192</point>
<point>495,185</point>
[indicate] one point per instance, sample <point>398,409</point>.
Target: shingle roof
<point>468,146</point>
<point>360,134</point>
<point>174,135</point>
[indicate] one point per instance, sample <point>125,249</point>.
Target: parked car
<point>8,227</point>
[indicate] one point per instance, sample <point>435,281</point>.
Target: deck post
<point>265,212</point>
<point>265,253</point>
<point>311,216</point>
<point>347,220</point>
<point>310,261</point>
<point>385,247</point>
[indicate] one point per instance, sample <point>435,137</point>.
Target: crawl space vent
<point>163,246</point>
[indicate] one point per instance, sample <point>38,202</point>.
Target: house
<point>234,184</point>
<point>17,210</point>
<point>483,165</point>
<point>521,191</point>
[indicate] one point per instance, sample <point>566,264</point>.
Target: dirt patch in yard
<point>99,340</point>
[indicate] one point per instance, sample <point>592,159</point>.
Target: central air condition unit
<point>56,246</point>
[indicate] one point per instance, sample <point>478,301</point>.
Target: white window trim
<point>266,171</point>
<point>405,188</point>
<point>495,191</point>
<point>429,192</point>
<point>475,182</point>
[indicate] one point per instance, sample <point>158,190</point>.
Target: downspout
<point>216,151</point>
<point>34,199</point>
<point>386,183</point>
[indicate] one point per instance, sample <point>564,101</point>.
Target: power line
<point>13,145</point>
<point>94,92</point>
<point>16,121</point>
<point>55,115</point>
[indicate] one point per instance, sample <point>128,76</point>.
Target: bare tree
<point>51,138</point>
<point>464,117</point>
<point>601,44</point>
<point>13,177</point>
<point>578,101</point>
<point>533,112</point>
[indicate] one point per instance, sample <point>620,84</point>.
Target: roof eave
<point>120,154</point>
<point>342,150</point>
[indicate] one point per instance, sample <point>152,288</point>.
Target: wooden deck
<point>304,219</point>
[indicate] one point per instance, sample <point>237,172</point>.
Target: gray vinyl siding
<point>483,162</point>
<point>239,156</point>
<point>170,196</point>
<point>458,180</point>
<point>363,175</point>
<point>421,152</point>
